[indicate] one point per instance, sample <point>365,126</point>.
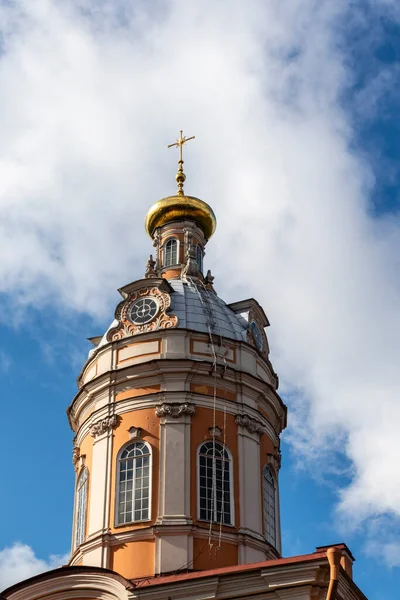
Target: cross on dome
<point>180,176</point>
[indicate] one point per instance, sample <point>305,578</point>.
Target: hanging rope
<point>211,325</point>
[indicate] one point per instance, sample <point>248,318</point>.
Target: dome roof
<point>202,310</point>
<point>179,208</point>
<point>198,309</point>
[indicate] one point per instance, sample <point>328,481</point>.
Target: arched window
<point>81,507</point>
<point>171,252</point>
<point>269,490</point>
<point>215,483</point>
<point>133,491</point>
<point>199,257</point>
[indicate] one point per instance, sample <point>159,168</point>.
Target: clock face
<point>255,330</point>
<point>143,310</point>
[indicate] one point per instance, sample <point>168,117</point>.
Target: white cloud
<point>92,93</point>
<point>5,361</point>
<point>19,562</point>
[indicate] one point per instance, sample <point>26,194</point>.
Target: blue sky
<point>295,111</point>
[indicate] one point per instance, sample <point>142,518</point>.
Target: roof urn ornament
<point>208,281</point>
<point>150,271</point>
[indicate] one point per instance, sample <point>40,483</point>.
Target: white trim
<point>164,264</point>
<point>117,479</point>
<point>231,483</point>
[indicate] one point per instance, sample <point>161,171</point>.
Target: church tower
<point>177,417</point>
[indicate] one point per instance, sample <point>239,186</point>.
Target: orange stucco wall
<point>208,390</point>
<point>214,557</point>
<point>171,273</point>
<point>134,392</point>
<point>134,559</point>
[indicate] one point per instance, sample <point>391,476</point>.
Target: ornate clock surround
<point>156,288</point>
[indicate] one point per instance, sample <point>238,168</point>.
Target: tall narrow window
<point>269,507</point>
<point>199,258</point>
<point>133,501</point>
<point>215,483</point>
<point>81,507</point>
<point>171,252</point>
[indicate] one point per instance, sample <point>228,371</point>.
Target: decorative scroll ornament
<point>161,320</point>
<point>252,425</point>
<point>175,410</point>
<point>215,432</point>
<point>104,425</point>
<point>76,453</point>
<point>134,432</point>
<point>276,458</point>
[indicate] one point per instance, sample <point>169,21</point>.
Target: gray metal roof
<point>202,310</point>
<point>199,309</point>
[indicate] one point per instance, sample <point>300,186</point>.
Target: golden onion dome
<point>179,208</point>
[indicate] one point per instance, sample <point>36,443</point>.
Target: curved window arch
<point>215,483</point>
<point>133,487</point>
<point>269,493</point>
<point>81,506</point>
<point>171,252</point>
<point>199,257</point>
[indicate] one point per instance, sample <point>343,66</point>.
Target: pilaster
<point>249,431</point>
<point>99,512</point>
<point>174,547</point>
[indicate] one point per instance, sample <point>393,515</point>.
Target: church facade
<point>177,424</point>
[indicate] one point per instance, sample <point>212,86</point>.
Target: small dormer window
<point>171,252</point>
<point>199,258</point>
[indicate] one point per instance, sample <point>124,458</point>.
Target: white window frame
<point>124,447</point>
<point>267,519</point>
<point>231,484</point>
<point>172,264</point>
<point>81,506</point>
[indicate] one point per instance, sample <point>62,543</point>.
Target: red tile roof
<point>158,580</point>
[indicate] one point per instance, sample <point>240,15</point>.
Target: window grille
<point>215,503</point>
<point>269,490</point>
<point>81,507</point>
<point>171,252</point>
<point>133,502</point>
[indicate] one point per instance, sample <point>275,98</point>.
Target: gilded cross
<point>180,176</point>
<point>179,143</point>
